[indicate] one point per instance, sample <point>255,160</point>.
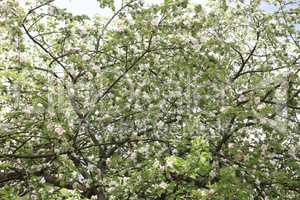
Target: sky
<point>87,7</point>
<point>91,7</point>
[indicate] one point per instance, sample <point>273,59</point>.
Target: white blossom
<point>59,130</point>
<point>163,185</point>
<point>231,145</point>
<point>160,124</point>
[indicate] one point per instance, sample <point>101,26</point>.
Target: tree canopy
<point>177,100</point>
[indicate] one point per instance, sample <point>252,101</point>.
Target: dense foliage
<point>161,101</point>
